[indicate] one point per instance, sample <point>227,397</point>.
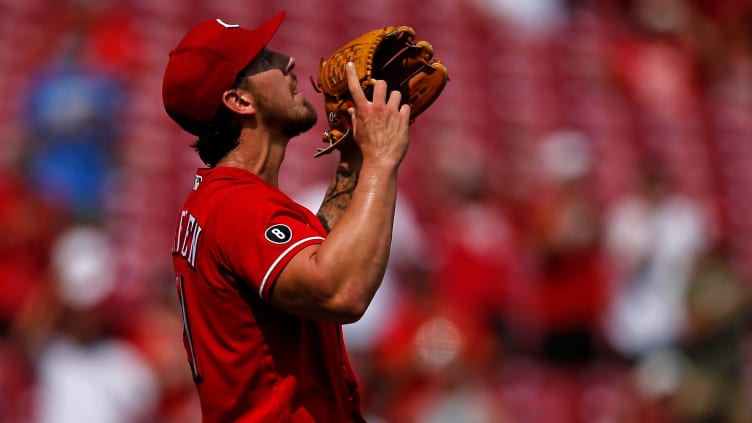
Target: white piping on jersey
<point>281,256</point>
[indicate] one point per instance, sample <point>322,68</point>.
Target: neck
<point>258,152</point>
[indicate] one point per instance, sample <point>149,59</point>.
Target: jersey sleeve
<point>261,235</point>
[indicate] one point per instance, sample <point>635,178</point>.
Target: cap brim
<point>261,35</point>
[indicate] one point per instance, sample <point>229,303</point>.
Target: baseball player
<point>264,285</point>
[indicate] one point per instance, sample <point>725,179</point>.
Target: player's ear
<point>238,102</point>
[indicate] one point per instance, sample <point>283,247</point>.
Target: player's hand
<point>380,126</point>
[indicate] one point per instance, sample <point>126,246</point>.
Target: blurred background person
<point>83,369</point>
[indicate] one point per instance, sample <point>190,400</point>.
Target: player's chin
<point>309,111</point>
<point>303,121</point>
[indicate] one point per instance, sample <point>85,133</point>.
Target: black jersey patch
<point>278,234</point>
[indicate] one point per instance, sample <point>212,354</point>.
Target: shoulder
<point>243,189</point>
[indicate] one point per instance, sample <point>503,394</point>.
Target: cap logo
<point>226,25</point>
<point>278,234</point>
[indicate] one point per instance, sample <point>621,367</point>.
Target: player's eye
<point>277,61</point>
<point>267,60</point>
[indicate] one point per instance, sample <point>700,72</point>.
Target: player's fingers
<point>353,84</point>
<point>394,99</point>
<point>379,91</point>
<point>405,115</point>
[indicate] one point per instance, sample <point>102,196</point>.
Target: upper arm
<point>303,288</point>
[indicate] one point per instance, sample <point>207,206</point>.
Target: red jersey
<point>251,361</point>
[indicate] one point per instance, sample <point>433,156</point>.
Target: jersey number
<point>188,338</point>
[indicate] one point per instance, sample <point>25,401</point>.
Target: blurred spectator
<point>570,280</point>
<point>83,371</point>
<point>654,236</point>
<point>74,105</point>
<point>473,245</point>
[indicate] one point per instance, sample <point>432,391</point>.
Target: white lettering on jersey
<point>186,237</point>
<point>226,25</point>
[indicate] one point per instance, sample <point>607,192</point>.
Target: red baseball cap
<point>205,64</point>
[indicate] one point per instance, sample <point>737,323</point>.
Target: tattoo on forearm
<point>337,197</point>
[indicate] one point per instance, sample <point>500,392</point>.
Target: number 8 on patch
<point>278,234</point>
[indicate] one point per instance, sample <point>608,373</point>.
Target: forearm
<point>356,252</point>
<point>340,191</point>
